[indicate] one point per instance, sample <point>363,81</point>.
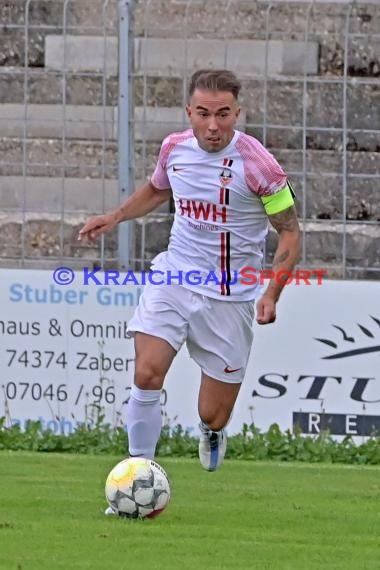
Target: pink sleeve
<point>159,178</point>
<point>264,176</point>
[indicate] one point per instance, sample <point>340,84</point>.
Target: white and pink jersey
<point>220,223</point>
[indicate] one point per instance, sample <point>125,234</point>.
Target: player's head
<point>213,107</point>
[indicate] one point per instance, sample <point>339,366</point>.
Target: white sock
<point>204,427</point>
<point>144,421</point>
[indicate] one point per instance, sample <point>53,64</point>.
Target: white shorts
<point>218,334</point>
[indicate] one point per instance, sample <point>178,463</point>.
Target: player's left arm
<point>287,254</point>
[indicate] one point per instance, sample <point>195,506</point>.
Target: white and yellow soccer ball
<point>137,488</point>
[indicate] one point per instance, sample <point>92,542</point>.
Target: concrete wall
<point>60,118</point>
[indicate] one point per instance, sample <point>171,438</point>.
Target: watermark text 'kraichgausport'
<point>248,276</point>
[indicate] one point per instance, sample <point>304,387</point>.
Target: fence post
<point>125,128</point>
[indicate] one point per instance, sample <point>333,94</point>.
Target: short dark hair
<point>215,80</point>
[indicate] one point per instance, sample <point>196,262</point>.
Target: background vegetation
<point>250,444</point>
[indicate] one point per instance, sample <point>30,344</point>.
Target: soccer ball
<point>137,488</point>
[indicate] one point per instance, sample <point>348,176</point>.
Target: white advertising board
<point>64,355</point>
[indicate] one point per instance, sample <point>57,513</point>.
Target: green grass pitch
<point>247,515</point>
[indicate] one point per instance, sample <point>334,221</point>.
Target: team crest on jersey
<point>225,176</point>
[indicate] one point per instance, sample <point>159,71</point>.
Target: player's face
<point>213,115</point>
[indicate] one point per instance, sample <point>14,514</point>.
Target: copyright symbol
<point>63,276</point>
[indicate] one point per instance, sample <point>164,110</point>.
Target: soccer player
<point>225,186</point>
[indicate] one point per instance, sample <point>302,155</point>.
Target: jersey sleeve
<point>159,178</point>
<point>263,174</point>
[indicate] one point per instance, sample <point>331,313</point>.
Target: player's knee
<point>148,377</point>
<point>215,422</point>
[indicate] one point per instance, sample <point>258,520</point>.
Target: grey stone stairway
<point>58,149</point>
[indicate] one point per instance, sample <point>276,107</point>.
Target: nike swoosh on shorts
<point>228,370</point>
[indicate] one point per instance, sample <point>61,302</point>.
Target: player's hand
<point>265,310</point>
<point>96,226</point>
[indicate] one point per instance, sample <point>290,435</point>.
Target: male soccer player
<point>225,187</point>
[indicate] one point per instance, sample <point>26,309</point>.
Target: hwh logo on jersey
<point>202,211</point>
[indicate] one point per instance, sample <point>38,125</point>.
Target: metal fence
<point>88,89</point>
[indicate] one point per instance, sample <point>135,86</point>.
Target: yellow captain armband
<point>280,201</point>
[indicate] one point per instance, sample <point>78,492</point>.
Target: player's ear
<point>188,111</point>
<point>237,112</point>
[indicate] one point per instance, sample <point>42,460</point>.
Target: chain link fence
<point>88,89</point>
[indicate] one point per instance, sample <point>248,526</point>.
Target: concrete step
<point>81,53</point>
<point>197,14</point>
<point>322,115</point>
<point>33,240</point>
<point>159,56</point>
<point>246,19</point>
<point>50,157</point>
<point>278,104</point>
<point>239,20</point>
<point>84,158</point>
<point>42,86</point>
<point>90,122</point>
<point>319,191</point>
<point>323,241</point>
<point>48,196</point>
<point>50,242</point>
<point>55,121</point>
<point>54,195</point>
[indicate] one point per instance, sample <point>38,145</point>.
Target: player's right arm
<point>144,200</point>
<point>147,198</point>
